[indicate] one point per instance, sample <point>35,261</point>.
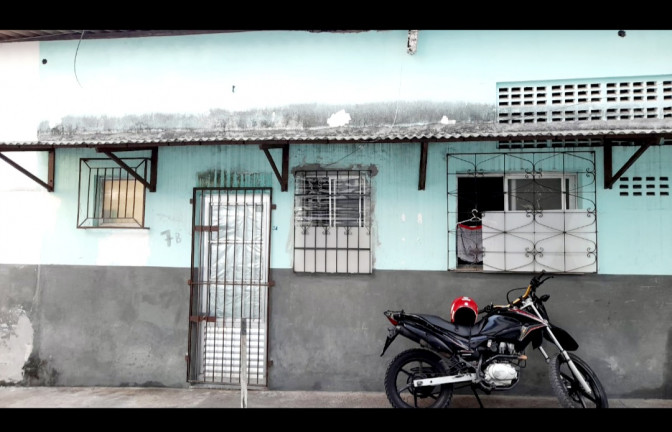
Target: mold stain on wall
<point>258,122</point>
<point>16,344</point>
<point>223,178</point>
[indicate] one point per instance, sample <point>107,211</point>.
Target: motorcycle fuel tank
<point>503,327</point>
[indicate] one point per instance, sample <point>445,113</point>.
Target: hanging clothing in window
<point>470,243</point>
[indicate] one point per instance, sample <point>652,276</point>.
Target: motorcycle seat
<point>462,330</point>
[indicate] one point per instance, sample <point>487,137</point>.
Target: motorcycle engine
<point>500,374</point>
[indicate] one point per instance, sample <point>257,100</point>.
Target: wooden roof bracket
<point>610,179</point>
<point>424,146</point>
<point>151,184</point>
<point>51,165</point>
<point>284,177</point>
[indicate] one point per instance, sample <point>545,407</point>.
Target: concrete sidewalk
<point>151,397</point>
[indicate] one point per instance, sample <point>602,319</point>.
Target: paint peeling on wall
<point>38,210</point>
<point>124,248</point>
<point>16,344</point>
<point>223,178</point>
<point>18,75</point>
<point>328,153</point>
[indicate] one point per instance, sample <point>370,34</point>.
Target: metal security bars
<point>229,285</point>
<point>110,197</point>
<point>522,211</point>
<point>332,221</point>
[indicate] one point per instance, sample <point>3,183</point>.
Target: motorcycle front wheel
<point>567,388</point>
<point>410,365</point>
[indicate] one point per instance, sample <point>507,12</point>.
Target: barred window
<point>331,199</point>
<point>332,221</point>
<point>109,197</point>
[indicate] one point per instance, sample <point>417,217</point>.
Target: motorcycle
<point>487,354</point>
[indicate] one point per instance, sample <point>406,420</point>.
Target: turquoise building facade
<point>217,113</point>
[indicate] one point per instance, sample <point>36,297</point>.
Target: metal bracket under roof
<point>49,185</point>
<point>151,184</point>
<point>424,146</point>
<point>284,177</point>
<point>644,144</point>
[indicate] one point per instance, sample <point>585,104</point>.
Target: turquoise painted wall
<point>410,225</point>
<point>168,216</point>
<point>407,222</point>
<point>195,74</point>
<point>635,232</point>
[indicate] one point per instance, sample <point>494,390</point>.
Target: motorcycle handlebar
<point>539,279</point>
<point>535,282</point>
<point>487,309</point>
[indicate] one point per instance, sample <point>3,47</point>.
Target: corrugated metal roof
<point>52,35</point>
<point>462,131</point>
<point>624,130</point>
<point>21,35</point>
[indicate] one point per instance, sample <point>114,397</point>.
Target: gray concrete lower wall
<point>128,326</point>
<point>93,326</point>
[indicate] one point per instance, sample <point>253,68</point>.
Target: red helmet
<point>464,310</point>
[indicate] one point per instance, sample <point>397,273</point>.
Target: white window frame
<point>568,183</point>
<point>114,186</point>
<point>329,241</point>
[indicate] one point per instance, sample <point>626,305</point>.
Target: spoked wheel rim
<point>419,395</point>
<point>568,388</point>
<point>577,393</point>
<point>408,367</point>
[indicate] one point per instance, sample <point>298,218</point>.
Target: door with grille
<point>229,285</point>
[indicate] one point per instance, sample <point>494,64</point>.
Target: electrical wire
<point>74,65</point>
<point>359,147</point>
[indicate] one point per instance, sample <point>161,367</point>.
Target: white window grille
<point>332,221</point>
<point>522,212</point>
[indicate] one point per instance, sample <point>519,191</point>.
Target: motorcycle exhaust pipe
<point>424,339</point>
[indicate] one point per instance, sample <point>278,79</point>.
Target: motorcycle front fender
<point>565,339</point>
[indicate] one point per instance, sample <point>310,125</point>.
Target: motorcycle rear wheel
<point>567,388</point>
<point>410,365</point>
